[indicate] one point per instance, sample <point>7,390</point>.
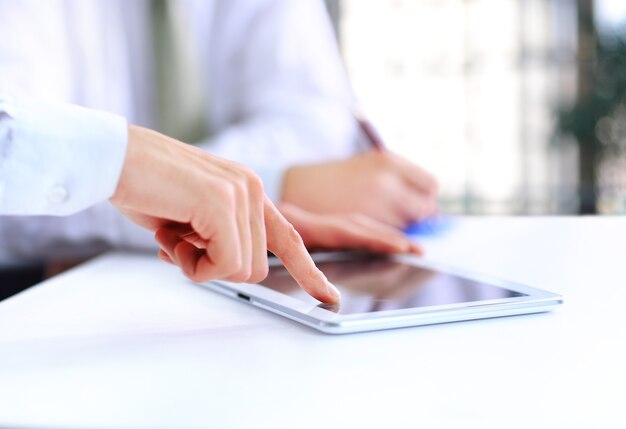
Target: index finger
<point>417,177</point>
<point>284,241</point>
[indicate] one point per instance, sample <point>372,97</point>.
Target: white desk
<point>125,341</point>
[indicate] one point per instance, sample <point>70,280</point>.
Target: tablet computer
<point>383,292</point>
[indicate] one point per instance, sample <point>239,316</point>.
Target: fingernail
<point>333,291</point>
<point>166,259</point>
<point>417,249</point>
<point>164,256</point>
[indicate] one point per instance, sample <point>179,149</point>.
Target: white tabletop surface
<point>125,341</point>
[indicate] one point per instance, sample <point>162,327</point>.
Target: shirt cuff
<point>57,159</point>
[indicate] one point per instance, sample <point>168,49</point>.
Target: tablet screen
<point>380,284</point>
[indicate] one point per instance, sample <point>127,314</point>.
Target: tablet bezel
<point>534,300</point>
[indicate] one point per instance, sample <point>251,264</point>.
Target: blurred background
<point>516,105</point>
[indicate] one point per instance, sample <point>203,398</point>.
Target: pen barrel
<point>372,135</point>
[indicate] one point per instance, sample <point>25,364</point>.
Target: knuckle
<point>292,234</point>
<point>313,272</point>
<point>241,276</point>
<point>220,210</point>
<point>233,267</point>
<point>193,275</point>
<point>246,172</point>
<point>255,184</point>
<point>259,273</point>
<point>240,184</point>
<point>245,272</point>
<point>288,239</point>
<point>227,193</point>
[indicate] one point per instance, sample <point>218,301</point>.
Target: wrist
<point>122,190</point>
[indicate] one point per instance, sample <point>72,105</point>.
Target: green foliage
<point>607,91</point>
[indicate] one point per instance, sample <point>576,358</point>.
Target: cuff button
<point>57,194</point>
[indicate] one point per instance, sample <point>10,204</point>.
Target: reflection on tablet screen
<point>378,284</point>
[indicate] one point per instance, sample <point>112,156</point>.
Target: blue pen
<point>435,225</point>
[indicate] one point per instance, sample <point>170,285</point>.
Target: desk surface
<point>126,341</point>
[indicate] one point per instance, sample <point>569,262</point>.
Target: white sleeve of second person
<point>57,159</point>
<point>278,93</point>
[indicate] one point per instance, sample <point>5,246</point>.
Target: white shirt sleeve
<point>54,63</point>
<point>57,159</point>
<point>278,92</point>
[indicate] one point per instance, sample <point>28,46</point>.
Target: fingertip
<point>166,237</point>
<point>159,235</point>
<point>333,294</point>
<point>416,249</point>
<point>320,288</point>
<point>165,257</point>
<point>329,294</point>
<point>285,242</point>
<point>399,244</point>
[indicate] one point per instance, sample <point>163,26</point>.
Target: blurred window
<point>470,89</point>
